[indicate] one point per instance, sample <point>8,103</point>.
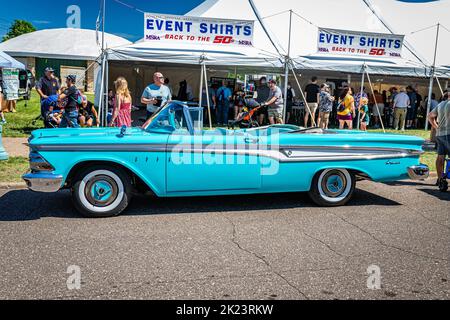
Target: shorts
<point>443,145</point>
<point>411,113</point>
<point>289,107</point>
<point>324,116</point>
<point>311,106</point>
<point>378,110</point>
<point>275,112</point>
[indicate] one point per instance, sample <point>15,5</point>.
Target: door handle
<point>251,140</point>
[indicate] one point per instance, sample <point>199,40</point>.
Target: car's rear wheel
<point>332,187</point>
<point>101,191</point>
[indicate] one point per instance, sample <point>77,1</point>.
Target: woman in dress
<point>346,109</point>
<point>122,106</point>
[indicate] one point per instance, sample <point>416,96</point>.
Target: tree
<point>18,28</point>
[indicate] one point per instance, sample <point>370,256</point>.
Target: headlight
<point>38,163</point>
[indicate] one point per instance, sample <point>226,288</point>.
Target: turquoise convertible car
<point>172,156</point>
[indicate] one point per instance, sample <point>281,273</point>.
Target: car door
<point>212,161</point>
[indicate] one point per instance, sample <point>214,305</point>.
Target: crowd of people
<point>344,107</point>
<point>64,106</point>
<point>399,109</point>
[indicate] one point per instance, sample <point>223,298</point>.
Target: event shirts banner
<point>345,42</point>
<point>159,27</point>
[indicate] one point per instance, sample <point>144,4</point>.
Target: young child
<point>364,114</point>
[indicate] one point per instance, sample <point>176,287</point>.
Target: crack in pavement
<point>431,220</point>
<point>234,240</point>
<point>383,243</point>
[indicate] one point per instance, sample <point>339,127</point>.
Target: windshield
<point>167,119</point>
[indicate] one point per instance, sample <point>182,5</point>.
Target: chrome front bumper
<point>43,181</point>
<point>419,172</point>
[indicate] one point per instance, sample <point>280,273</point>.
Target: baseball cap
<point>49,69</point>
<point>71,77</point>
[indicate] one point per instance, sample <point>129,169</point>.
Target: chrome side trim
<point>279,153</point>
<point>38,163</point>
<point>419,172</point>
<point>43,181</point>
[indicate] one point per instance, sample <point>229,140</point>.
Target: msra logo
<point>152,37</point>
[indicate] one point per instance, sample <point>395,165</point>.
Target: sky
<point>121,20</point>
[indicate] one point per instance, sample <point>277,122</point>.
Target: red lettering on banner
<point>174,37</point>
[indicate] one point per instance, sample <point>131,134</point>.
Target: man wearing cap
<point>275,103</point>
<point>47,86</point>
<point>70,115</point>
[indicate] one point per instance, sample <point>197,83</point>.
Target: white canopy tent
<point>61,43</point>
<point>195,54</point>
<point>190,59</point>
<point>353,15</point>
<point>7,61</point>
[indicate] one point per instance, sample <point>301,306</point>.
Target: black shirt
<point>72,97</point>
<point>312,90</point>
<point>263,92</point>
<point>49,87</point>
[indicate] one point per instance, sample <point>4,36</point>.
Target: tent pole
<point>303,96</point>
<point>430,88</point>
<point>439,84</point>
<point>207,96</point>
<point>201,86</point>
<point>286,76</point>
<point>286,68</point>
<point>102,83</point>
<point>375,100</point>
<point>361,93</point>
<point>105,114</point>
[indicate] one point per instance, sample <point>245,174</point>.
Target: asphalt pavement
<point>390,242</point>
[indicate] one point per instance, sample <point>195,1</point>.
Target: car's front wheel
<point>101,191</point>
<point>332,187</point>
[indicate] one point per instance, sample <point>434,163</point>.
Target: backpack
<point>78,98</point>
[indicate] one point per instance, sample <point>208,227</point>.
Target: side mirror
<point>123,130</point>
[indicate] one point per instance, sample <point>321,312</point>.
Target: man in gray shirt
<point>440,120</point>
<point>275,103</point>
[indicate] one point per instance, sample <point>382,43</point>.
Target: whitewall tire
<point>101,191</point>
<point>332,187</point>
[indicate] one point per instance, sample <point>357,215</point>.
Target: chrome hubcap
<point>334,184</point>
<point>101,191</point>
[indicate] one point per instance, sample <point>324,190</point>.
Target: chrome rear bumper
<point>418,172</point>
<point>43,181</point>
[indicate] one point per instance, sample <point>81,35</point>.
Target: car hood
<point>80,135</point>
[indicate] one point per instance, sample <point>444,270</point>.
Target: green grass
<point>21,123</point>
<point>12,169</point>
<point>427,158</point>
<point>413,132</point>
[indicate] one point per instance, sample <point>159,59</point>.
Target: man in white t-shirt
<point>156,95</point>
